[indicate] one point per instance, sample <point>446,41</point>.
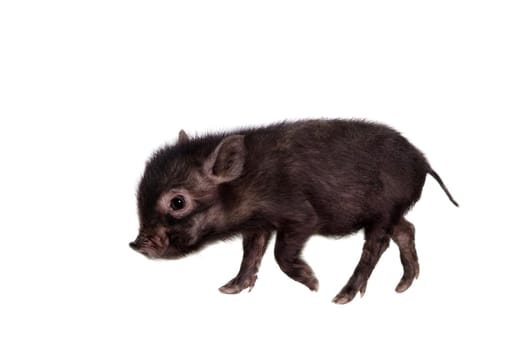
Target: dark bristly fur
<point>328,177</point>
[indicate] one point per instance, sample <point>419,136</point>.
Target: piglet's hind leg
<point>376,241</point>
<point>403,236</point>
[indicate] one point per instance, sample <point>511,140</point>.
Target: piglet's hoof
<point>234,289</point>
<point>313,285</point>
<point>235,286</point>
<point>403,285</point>
<point>343,298</point>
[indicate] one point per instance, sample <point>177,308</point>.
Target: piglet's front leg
<point>254,246</point>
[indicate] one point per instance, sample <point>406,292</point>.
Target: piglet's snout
<point>141,244</point>
<point>152,247</point>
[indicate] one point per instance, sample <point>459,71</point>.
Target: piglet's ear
<point>183,137</point>
<point>227,160</point>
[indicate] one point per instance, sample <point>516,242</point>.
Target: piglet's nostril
<point>133,245</point>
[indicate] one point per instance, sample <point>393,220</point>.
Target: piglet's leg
<point>288,247</point>
<point>403,236</point>
<point>254,246</point>
<point>376,241</point>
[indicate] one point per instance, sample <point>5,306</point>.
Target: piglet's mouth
<point>150,248</point>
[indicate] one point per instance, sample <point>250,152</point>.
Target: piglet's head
<point>179,199</point>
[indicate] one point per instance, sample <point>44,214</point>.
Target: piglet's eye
<point>177,203</point>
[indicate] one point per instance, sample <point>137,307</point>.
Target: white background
<point>89,89</point>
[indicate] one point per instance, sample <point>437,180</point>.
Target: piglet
<point>294,179</point>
